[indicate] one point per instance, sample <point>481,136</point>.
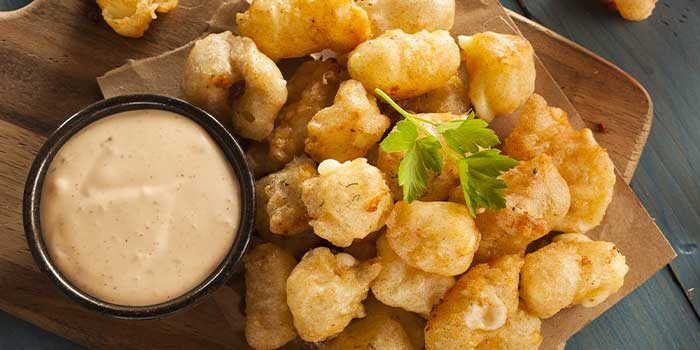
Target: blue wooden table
<point>663,53</point>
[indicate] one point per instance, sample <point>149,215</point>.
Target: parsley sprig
<point>469,144</point>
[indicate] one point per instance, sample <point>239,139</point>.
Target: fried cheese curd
<point>501,70</point>
<point>585,165</point>
<point>296,245</point>
<point>537,199</point>
<point>411,16</point>
<point>439,185</point>
<point>412,324</point>
<point>476,307</point>
<point>365,248</point>
<point>449,98</point>
<point>347,129</point>
<point>375,331</point>
<point>296,28</point>
<point>311,88</point>
<point>405,65</point>
<point>267,268</point>
<point>570,271</point>
<point>257,154</point>
<point>131,18</point>
<point>229,77</point>
<point>435,237</point>
<point>347,201</point>
<point>521,332</point>
<point>280,209</point>
<point>385,328</point>
<point>325,292</point>
<point>400,285</point>
<point>634,10</point>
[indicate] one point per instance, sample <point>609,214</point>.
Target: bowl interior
<point>35,180</point>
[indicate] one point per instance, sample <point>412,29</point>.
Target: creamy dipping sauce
<point>139,207</point>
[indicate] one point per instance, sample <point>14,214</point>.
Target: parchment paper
<point>626,222</point>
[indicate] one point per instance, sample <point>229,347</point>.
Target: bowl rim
<point>31,206</point>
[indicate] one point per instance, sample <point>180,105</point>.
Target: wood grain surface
<point>75,74</point>
<point>43,45</point>
<point>663,53</point>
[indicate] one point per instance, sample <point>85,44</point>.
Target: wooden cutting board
<point>50,54</point>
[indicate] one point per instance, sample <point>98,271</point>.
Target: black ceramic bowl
<point>35,181</point>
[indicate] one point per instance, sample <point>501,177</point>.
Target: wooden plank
<point>17,333</point>
<point>70,45</point>
<point>663,53</point>
<point>68,61</point>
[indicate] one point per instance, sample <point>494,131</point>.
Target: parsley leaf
<point>491,162</point>
<point>413,176</point>
<point>423,154</point>
<point>467,188</point>
<point>469,135</point>
<point>430,151</point>
<point>478,175</point>
<point>452,124</point>
<point>469,143</point>
<point>400,139</point>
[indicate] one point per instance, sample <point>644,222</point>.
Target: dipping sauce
<point>139,207</point>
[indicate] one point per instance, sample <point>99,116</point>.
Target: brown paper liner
<point>626,222</point>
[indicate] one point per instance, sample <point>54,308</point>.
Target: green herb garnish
<point>469,144</point>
